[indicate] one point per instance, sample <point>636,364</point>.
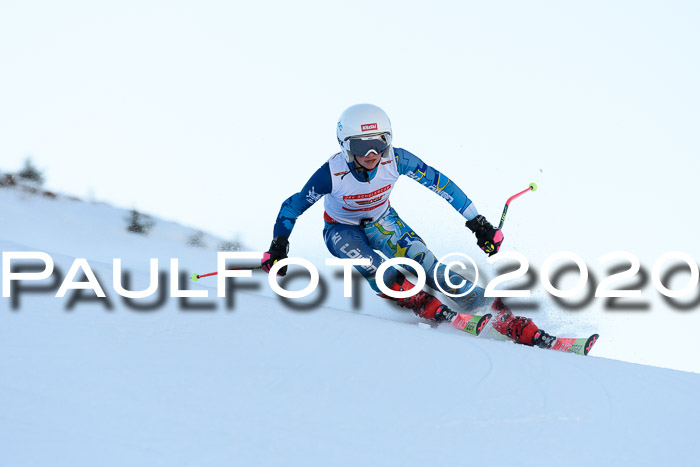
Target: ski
<point>579,346</point>
<point>473,324</point>
<point>575,345</point>
<point>470,323</point>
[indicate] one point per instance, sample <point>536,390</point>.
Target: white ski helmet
<point>364,128</point>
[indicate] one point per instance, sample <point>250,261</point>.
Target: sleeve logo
<point>312,196</point>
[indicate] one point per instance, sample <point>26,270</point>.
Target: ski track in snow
<point>262,384</point>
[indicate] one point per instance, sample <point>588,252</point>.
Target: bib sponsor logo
<point>368,195</point>
<point>366,201</point>
<point>374,200</point>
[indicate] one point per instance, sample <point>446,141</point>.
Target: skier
<point>359,221</point>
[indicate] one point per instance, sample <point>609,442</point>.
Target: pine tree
<point>196,239</point>
<point>138,223</point>
<point>230,245</point>
<point>31,173</point>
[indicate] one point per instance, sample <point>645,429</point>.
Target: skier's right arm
<point>319,184</point>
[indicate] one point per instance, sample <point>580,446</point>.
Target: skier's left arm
<point>488,238</point>
<point>413,167</point>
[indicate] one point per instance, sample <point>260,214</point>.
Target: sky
<point>212,113</point>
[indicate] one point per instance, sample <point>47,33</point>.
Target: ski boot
<point>423,304</point>
<point>543,340</point>
<point>519,328</point>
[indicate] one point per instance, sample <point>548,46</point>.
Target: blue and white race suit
<point>360,221</point>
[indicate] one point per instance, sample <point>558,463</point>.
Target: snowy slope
<point>262,384</point>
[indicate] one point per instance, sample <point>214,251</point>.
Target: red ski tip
<point>589,343</point>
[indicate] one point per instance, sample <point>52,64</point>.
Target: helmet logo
<point>369,127</point>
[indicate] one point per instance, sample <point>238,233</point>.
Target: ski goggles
<point>361,147</point>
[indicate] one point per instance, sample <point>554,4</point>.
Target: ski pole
<point>195,277</point>
<point>532,187</point>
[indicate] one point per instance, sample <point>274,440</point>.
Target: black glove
<point>488,237</point>
<point>278,250</point>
